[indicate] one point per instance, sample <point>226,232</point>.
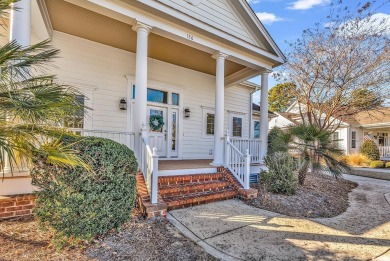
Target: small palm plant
<point>32,104</point>
<point>316,149</point>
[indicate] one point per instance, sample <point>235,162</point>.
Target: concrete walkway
<point>232,230</point>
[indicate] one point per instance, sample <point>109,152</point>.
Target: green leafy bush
<point>79,204</point>
<point>370,150</point>
<point>276,142</point>
<point>281,176</point>
<point>377,164</point>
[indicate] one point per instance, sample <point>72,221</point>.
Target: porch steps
<point>189,190</point>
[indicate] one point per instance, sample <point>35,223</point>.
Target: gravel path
<point>232,230</point>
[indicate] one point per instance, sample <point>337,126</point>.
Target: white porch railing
<point>253,145</point>
<point>125,138</point>
<point>384,150</point>
<point>238,163</point>
<point>148,162</point>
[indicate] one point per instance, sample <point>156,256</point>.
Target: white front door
<point>158,137</point>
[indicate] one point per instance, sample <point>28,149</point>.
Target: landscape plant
<point>33,104</point>
<point>79,204</point>
<point>281,176</point>
<point>370,150</point>
<point>276,141</point>
<point>377,164</point>
<point>316,149</point>
<point>387,165</point>
<point>357,159</point>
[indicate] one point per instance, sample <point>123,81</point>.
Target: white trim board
<point>177,172</point>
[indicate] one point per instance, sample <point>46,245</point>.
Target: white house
<point>186,61</point>
<point>370,124</point>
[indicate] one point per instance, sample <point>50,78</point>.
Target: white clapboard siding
<point>101,70</point>
<point>217,13</point>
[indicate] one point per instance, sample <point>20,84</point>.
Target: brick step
<point>181,179</point>
<point>193,199</point>
<point>193,187</point>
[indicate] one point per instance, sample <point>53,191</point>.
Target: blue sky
<point>286,19</point>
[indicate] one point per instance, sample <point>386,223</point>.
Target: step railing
<point>122,137</point>
<point>237,162</point>
<point>384,151</point>
<point>148,161</point>
<point>253,145</point>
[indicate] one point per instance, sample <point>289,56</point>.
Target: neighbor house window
<point>76,120</point>
<point>353,140</point>
<point>256,129</point>
<point>237,126</point>
<point>210,123</point>
<point>335,138</point>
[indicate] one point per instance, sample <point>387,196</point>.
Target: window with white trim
<point>76,120</point>
<point>208,123</point>
<point>353,140</point>
<point>256,129</point>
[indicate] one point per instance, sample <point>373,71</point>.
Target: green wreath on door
<point>156,122</point>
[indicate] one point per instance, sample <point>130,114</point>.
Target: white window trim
<point>235,115</point>
<point>353,139</point>
<point>206,110</point>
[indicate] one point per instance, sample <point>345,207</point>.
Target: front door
<point>158,137</point>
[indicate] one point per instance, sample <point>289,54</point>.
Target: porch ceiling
<point>74,20</point>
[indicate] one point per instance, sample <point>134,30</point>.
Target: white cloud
<point>253,1</point>
<point>268,18</point>
<point>307,4</point>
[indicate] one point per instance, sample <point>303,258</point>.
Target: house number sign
<point>190,37</point>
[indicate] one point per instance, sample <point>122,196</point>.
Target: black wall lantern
<point>187,112</point>
<point>123,104</point>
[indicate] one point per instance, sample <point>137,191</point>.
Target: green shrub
<point>281,176</point>
<point>387,165</point>
<point>370,150</point>
<point>79,204</point>
<point>377,164</point>
<point>276,143</point>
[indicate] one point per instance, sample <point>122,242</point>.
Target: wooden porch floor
<point>184,164</point>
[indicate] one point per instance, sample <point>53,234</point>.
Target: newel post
<point>227,140</point>
<point>247,170</point>
<point>154,186</point>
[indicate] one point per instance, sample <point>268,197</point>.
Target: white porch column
<point>264,115</point>
<point>219,108</point>
<point>20,19</point>
<point>141,80</point>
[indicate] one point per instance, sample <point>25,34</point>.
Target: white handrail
<point>238,163</point>
<point>149,167</point>
<point>384,150</point>
<point>253,145</point>
<point>125,138</point>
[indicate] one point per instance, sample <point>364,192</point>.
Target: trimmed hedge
<point>281,176</point>
<point>79,204</point>
<point>370,150</point>
<point>377,164</point>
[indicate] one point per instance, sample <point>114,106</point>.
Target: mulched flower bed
<point>321,196</point>
<point>139,239</point>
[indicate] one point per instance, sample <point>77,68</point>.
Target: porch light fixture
<point>187,112</point>
<point>123,104</point>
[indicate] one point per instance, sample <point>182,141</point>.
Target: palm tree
<point>316,149</point>
<point>32,104</point>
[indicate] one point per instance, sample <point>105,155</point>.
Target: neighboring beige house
<point>371,124</point>
<point>185,62</point>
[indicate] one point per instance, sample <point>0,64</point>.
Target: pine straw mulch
<point>321,196</point>
<point>138,239</point>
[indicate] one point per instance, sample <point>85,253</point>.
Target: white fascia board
<point>240,77</point>
<point>40,20</point>
<point>180,34</point>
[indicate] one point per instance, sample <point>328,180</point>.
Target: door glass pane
<point>173,131</point>
<point>157,112</point>
<point>237,127</point>
<point>157,96</point>
<point>210,123</point>
<point>175,99</point>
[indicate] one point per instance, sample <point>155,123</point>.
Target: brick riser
<point>190,190</point>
